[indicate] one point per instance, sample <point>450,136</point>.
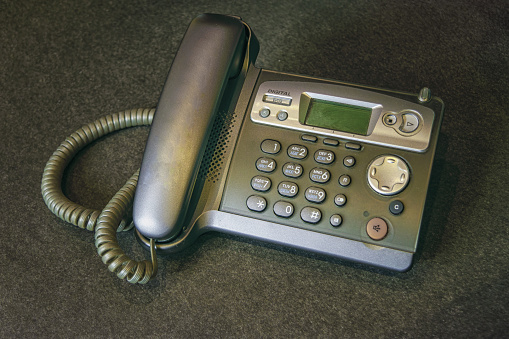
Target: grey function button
<point>260,183</point>
<point>410,123</point>
<point>297,151</point>
<point>388,174</point>
<point>283,209</point>
<point>256,203</point>
<point>345,180</point>
<point>282,115</point>
<point>349,161</point>
<point>319,175</point>
<point>288,189</point>
<point>292,170</point>
<point>324,157</point>
<point>264,112</point>
<point>340,200</point>
<point>311,215</point>
<point>277,99</point>
<point>266,164</point>
<point>336,220</point>
<point>315,194</point>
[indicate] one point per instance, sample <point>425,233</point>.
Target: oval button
<point>266,164</point>
<point>311,215</point>
<point>297,151</point>
<point>315,194</point>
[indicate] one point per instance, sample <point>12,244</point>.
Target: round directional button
<point>388,174</point>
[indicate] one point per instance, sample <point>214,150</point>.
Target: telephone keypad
<point>289,189</point>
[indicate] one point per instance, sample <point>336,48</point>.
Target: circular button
<point>336,220</point>
<point>264,112</point>
<point>340,200</point>
<point>396,207</point>
<point>377,228</point>
<point>349,161</point>
<point>388,174</point>
<point>344,180</point>
<point>282,115</point>
<point>390,119</point>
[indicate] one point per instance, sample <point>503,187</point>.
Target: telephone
<point>313,164</point>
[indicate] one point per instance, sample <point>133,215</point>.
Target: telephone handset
<point>210,55</point>
<point>313,164</point>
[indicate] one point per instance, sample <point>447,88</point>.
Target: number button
<point>270,146</point>
<point>283,209</point>
<point>292,170</point>
<point>315,194</point>
<point>319,175</point>
<point>266,165</point>
<point>288,189</point>
<point>324,157</point>
<point>297,151</point>
<point>311,215</point>
<point>260,183</point>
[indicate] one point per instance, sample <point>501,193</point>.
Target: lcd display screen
<point>338,116</point>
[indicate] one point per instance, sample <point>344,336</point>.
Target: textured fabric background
<point>66,63</point>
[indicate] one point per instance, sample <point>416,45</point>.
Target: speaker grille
<point>217,146</point>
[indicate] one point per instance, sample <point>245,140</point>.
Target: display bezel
<point>346,106</point>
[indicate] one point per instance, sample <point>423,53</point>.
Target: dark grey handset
<point>210,54</point>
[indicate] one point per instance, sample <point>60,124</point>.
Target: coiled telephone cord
<point>113,218</point>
